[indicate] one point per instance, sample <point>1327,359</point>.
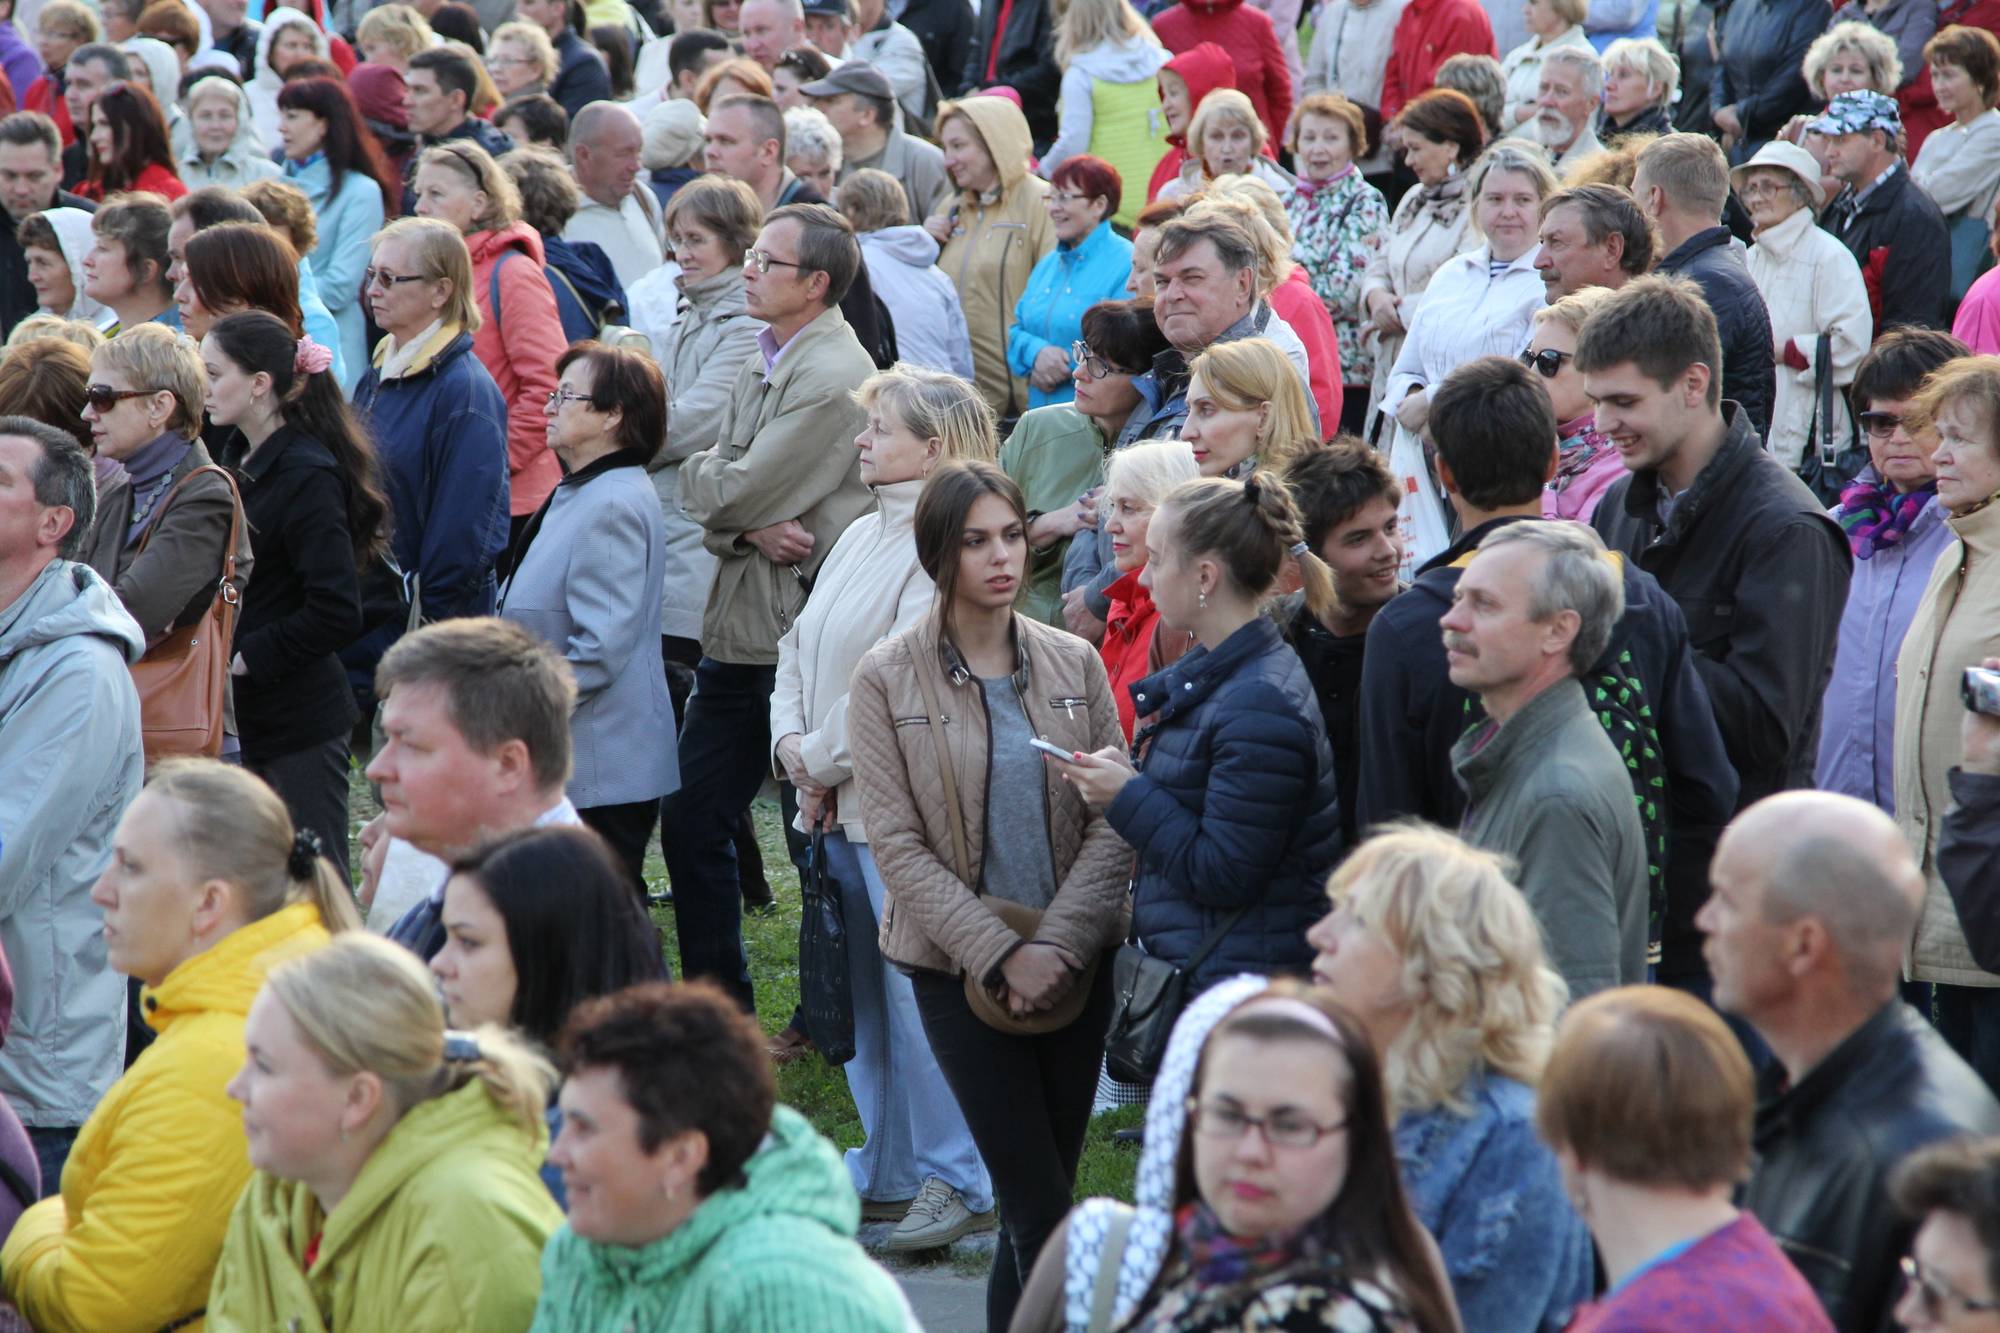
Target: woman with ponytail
<point>313,503</point>
<point>395,1162</point>
<point>1232,810</point>
<point>208,886</point>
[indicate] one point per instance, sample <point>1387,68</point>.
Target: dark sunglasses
<point>1880,425</point>
<point>1548,362</point>
<point>103,397</point>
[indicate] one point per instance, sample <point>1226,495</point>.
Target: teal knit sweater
<point>778,1253</point>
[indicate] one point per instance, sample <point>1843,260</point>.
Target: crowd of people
<point>1410,585</point>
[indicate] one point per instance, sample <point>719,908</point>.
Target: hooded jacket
<point>1429,33</point>
<point>245,160</point>
<point>262,87</point>
<point>72,228</point>
<point>70,750</point>
<point>776,1252</point>
<point>518,342</point>
<point>1246,33</point>
<point>587,291</point>
<point>1064,283</point>
<point>131,1242</point>
<point>1203,67</point>
<point>442,1231</point>
<point>923,305</point>
<point>995,243</point>
<point>17,296</point>
<point>1111,109</point>
<point>348,218</point>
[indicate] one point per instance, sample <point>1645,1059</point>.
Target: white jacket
<point>923,305</point>
<point>1522,69</point>
<point>869,588</point>
<point>1350,54</point>
<point>1811,285</point>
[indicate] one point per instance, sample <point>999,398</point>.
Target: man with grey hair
<point>1592,236</point>
<point>71,755</point>
<point>1532,611</point>
<point>606,144</point>
<point>770,28</point>
<point>1814,898</point>
<point>1566,101</point>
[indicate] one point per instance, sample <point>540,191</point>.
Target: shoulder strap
<point>945,773</point>
<point>499,325</point>
<point>235,515</point>
<point>1104,1289</point>
<point>1227,924</point>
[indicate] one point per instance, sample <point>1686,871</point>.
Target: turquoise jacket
<point>1065,282</point>
<point>775,1253</point>
<point>347,219</point>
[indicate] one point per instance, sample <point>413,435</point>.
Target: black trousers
<point>1027,1102</point>
<point>313,785</point>
<point>628,828</point>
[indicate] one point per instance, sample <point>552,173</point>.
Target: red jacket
<point>1299,306</point>
<point>1429,33</point>
<point>1246,35</point>
<point>519,348</point>
<point>1203,67</point>
<point>1128,642</point>
<point>156,178</point>
<point>44,96</point>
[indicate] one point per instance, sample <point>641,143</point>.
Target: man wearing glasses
<point>776,491</point>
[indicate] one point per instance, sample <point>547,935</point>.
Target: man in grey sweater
<point>1533,609</point>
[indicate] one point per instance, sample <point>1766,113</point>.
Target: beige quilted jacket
<point>931,919</point>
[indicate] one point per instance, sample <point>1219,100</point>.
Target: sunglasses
<point>1879,425</point>
<point>1935,1294</point>
<point>1547,363</point>
<point>103,397</point>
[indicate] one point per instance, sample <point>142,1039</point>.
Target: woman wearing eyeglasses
<point>1950,1271</point>
<point>588,576</point>
<point>1090,263</point>
<point>1586,462</point>
<point>1268,1196</point>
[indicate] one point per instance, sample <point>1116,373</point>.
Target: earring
<point>1202,600</point>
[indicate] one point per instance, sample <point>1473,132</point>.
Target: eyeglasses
<point>374,277</point>
<point>1935,1293</point>
<point>1068,197</point>
<point>103,397</point>
<point>763,262</point>
<point>557,397</point>
<point>1880,425</point>
<point>1757,189</point>
<point>1547,363</point>
<point>1090,363</point>
<point>1216,1121</point>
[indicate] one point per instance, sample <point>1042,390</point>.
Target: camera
<point>1981,690</point>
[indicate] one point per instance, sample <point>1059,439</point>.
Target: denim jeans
<point>914,1127</point>
<point>52,1145</point>
<point>1968,1018</point>
<point>725,753</point>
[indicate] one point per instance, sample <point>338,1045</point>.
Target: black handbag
<point>1829,465</point>
<point>1147,996</point>
<point>826,991</point>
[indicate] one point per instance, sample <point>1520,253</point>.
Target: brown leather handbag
<point>183,677</point>
<point>1022,920</point>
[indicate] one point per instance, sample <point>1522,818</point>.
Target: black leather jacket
<point>1826,1147</point>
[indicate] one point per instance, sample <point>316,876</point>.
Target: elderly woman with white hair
<point>1552,24</point>
<point>1820,321</point>
<point>222,144</point>
<point>1440,960</point>
<point>1226,137</point>
<point>1640,80</point>
<point>812,148</point>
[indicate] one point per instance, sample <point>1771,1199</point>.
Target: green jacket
<point>777,1253</point>
<point>1054,455</point>
<point>440,1232</point>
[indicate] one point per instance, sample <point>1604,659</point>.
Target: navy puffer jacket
<point>1234,804</point>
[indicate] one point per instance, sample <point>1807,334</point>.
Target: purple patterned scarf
<point>1217,1259</point>
<point>1875,517</point>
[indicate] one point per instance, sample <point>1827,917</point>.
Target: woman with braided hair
<point>313,502</point>
<point>209,885</point>
<point>1232,808</point>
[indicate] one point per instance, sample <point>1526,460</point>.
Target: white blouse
<point>1467,312</point>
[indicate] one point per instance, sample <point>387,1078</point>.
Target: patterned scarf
<point>1876,517</point>
<point>1306,189</point>
<point>1582,445</point>
<point>1217,1259</point>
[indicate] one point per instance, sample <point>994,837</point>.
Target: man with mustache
<point>1566,104</point>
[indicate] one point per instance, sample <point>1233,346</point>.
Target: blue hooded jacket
<point>590,277</point>
<point>1064,283</point>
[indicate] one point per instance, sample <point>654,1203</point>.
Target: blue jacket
<point>347,219</point>
<point>581,76</point>
<point>1234,806</point>
<point>441,431</point>
<point>1064,283</point>
<point>589,276</point>
<point>1518,1256</point>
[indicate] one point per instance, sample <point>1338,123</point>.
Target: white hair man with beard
<point>1566,104</point>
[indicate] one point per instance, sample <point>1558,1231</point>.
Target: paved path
<point>945,1302</point>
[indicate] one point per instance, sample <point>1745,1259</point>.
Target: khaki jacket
<point>784,450</point>
<point>931,919</point>
<point>1956,626</point>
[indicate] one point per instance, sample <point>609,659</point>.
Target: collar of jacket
<point>793,353</point>
<point>429,354</point>
<point>1737,452</point>
<point>254,464</point>
<point>1130,599</point>
<point>953,665</point>
<point>1978,529</point>
<point>1785,239</point>
<point>715,291</point>
<point>1877,195</point>
<point>226,975</point>
<point>1461,550</point>
<point>1781,1108</point>
<point>896,501</point>
<point>597,467</point>
<point>1708,238</point>
<point>1170,367</point>
<point>1075,252</point>
<point>1482,758</point>
<point>1192,679</point>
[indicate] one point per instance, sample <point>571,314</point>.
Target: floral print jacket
<point>1337,225</point>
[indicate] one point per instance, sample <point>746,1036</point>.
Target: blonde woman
<point>1850,56</point>
<point>391,34</point>
<point>1139,479</point>
<point>208,886</point>
<point>1552,24</point>
<point>1440,960</point>
<point>396,1164</point>
<point>1246,409</point>
<point>1110,105</point>
<point>521,58</point>
<point>871,588</point>
<point>1641,79</point>
<point>1226,137</point>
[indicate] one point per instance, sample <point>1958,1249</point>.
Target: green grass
<point>811,1086</point>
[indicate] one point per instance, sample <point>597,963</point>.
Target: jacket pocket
<point>1710,621</point>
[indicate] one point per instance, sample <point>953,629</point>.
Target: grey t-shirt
<point>1019,864</point>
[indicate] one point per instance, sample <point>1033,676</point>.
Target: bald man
<point>1814,898</point>
<point>615,212</point>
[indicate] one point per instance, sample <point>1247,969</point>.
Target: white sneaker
<point>936,1218</point>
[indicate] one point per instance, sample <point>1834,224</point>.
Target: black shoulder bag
<point>1147,996</point>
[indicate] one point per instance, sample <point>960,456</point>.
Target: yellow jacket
<point>147,1194</point>
<point>995,242</point>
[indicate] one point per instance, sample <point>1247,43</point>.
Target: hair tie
<point>313,358</point>
<point>1250,489</point>
<point>1300,550</point>
<point>306,851</point>
<point>461,1048</point>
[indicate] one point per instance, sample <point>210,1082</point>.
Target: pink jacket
<point>1252,43</point>
<point>519,345</point>
<point>1299,306</point>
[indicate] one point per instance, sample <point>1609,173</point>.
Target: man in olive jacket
<point>781,484</point>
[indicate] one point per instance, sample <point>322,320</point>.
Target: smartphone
<point>1981,690</point>
<point>1052,750</point>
